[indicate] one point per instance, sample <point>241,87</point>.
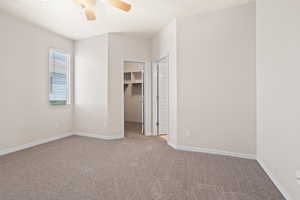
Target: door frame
<point>155,96</point>
<point>147,95</point>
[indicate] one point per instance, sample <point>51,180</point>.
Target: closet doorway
<point>161,97</point>
<point>134,107</point>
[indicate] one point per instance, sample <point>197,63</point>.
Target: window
<point>59,78</point>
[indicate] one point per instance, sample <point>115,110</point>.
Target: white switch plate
<point>298,176</point>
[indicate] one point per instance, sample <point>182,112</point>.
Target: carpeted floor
<point>135,168</point>
<point>133,129</point>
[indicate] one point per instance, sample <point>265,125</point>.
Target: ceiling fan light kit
<point>87,5</point>
<point>120,4</point>
<point>90,14</point>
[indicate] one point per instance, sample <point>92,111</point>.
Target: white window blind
<point>59,67</point>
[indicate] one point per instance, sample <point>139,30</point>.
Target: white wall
<point>91,85</point>
<point>278,69</point>
<point>123,48</point>
<point>133,106</point>
<point>25,113</point>
<point>99,81</point>
<point>216,80</point>
<point>164,44</point>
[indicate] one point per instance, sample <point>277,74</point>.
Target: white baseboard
<point>172,145</point>
<point>212,151</point>
<point>43,141</point>
<point>274,180</point>
<point>98,136</point>
<point>32,144</point>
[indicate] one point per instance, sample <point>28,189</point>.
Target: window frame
<point>68,55</point>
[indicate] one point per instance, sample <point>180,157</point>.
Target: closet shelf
<point>133,77</point>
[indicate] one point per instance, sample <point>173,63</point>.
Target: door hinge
<point>157,124</point>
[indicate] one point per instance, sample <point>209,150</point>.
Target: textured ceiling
<point>146,17</point>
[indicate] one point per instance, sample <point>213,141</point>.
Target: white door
<point>163,96</point>
<point>143,104</point>
<point>154,69</point>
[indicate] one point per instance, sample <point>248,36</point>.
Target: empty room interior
<point>149,100</point>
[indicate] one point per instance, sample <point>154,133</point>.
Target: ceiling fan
<point>87,5</point>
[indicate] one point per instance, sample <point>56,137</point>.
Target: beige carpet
<point>135,168</point>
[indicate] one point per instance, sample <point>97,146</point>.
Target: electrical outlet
<point>298,176</point>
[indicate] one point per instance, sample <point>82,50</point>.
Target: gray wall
<point>91,85</point>
<point>278,71</point>
<point>98,81</point>
<point>25,113</point>
<point>122,48</point>
<point>216,80</point>
<point>164,43</point>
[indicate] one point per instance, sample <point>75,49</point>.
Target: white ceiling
<point>146,17</point>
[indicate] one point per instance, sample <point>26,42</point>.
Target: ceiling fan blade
<point>120,4</point>
<point>86,3</point>
<point>90,14</point>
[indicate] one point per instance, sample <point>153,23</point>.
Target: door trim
<point>147,96</point>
